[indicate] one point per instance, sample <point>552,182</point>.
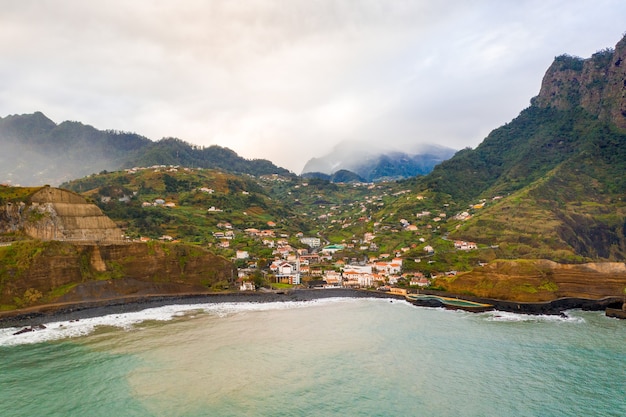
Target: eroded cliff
<point>54,214</point>
<point>40,272</point>
<point>597,84</point>
<point>539,280</point>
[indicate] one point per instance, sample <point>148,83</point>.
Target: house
<point>247,286</point>
<point>285,268</point>
<point>361,269</point>
<point>242,254</point>
<point>419,282</point>
<point>429,249</point>
<point>462,245</point>
<point>313,242</point>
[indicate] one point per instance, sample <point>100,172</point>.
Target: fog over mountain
<point>270,78</point>
<point>380,161</point>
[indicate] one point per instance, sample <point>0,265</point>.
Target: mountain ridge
<point>38,151</point>
<point>559,168</point>
<point>378,164</point>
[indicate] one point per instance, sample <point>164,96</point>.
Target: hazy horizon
<point>269,79</point>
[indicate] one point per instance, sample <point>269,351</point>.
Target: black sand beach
<point>76,311</point>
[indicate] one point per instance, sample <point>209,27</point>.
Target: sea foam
<point>58,330</point>
<point>505,316</point>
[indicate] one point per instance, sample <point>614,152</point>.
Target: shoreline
<point>39,315</point>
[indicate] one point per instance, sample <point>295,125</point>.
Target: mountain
<point>377,164</point>
<point>343,175</point>
<point>557,171</point>
<point>36,151</point>
<point>203,197</point>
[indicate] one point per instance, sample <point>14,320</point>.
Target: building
<point>331,249</point>
<point>242,254</point>
<point>313,242</point>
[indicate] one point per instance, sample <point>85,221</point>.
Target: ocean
<point>329,357</point>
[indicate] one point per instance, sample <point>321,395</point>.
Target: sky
<point>287,80</point>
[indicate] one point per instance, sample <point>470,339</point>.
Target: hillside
<point>58,247</point>
<point>536,212</point>
<point>551,183</point>
<point>197,203</point>
<point>37,151</point>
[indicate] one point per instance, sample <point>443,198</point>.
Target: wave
<point>505,316</point>
<point>58,330</point>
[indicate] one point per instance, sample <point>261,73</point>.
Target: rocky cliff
<point>539,280</point>
<point>597,84</point>
<point>38,272</point>
<point>54,214</point>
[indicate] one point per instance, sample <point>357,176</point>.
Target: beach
<point>39,315</point>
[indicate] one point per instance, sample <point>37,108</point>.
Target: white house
<point>242,254</point>
<point>247,286</point>
<point>313,242</point>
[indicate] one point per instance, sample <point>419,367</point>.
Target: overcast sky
<point>286,80</point>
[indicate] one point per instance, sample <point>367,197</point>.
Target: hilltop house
<point>462,245</point>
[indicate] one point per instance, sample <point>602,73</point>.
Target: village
<point>356,243</point>
<point>324,266</point>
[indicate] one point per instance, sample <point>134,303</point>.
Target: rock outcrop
<point>539,280</point>
<point>54,214</point>
<point>597,84</point>
<point>41,272</point>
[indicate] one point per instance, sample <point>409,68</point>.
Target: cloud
<point>288,80</point>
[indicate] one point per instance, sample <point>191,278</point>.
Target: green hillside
<point>37,151</point>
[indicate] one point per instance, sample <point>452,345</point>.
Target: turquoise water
<point>349,357</point>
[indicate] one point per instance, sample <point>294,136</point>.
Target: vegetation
<point>548,185</point>
<point>72,150</point>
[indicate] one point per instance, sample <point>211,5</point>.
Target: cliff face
<point>597,84</point>
<point>55,214</point>
<point>540,280</point>
<point>38,272</point>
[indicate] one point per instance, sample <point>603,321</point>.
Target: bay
<point>350,357</point>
